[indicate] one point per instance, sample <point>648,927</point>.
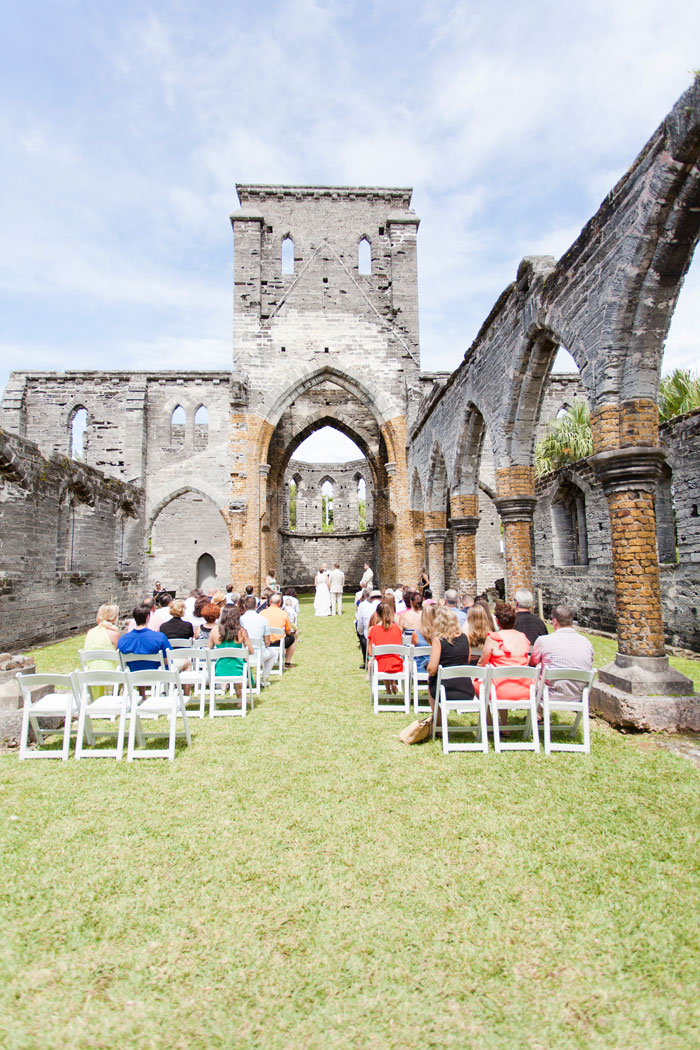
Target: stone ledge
<point>649,713</point>
<point>645,676</point>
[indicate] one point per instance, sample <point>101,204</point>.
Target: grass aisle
<point>299,878</point>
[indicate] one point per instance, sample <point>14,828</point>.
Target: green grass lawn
<point>300,879</point>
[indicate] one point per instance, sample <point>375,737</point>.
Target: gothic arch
<point>307,382</point>
<point>163,503</point>
<point>438,485</point>
<point>469,448</point>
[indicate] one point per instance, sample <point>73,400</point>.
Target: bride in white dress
<point>322,601</point>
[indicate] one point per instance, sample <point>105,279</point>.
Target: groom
<point>336,583</point>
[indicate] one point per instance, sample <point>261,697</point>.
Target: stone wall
<point>302,556</point>
<point>70,540</point>
<point>344,477</point>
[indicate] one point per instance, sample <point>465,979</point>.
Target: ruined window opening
<point>206,571</point>
<point>201,427</point>
<point>666,529</point>
<point>694,511</point>
<point>178,421</point>
<point>327,506</point>
<point>569,533</point>
<point>364,257</point>
<point>288,255</point>
<point>381,231</point>
<point>361,505</point>
<point>78,429</point>
<point>292,506</point>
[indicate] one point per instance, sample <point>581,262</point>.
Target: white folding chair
<point>255,671</point>
<point>278,666</point>
<point>164,698</point>
<point>60,702</point>
<point>419,679</point>
<point>181,643</point>
<point>222,687</point>
<point>113,703</point>
<point>87,656</point>
<point>197,675</point>
<point>377,677</point>
<point>156,661</point>
<point>577,706</point>
<point>477,706</point>
<point>529,728</point>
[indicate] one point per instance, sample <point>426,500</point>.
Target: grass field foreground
<point>299,878</point>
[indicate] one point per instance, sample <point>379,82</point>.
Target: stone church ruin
<point>113,479</point>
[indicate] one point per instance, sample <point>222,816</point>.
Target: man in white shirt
<point>258,630</point>
<point>367,577</point>
<point>336,584</point>
<point>364,614</point>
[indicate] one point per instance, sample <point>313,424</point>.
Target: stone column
<point>637,689</point>
<point>516,517</point>
<point>435,540</point>
<point>516,505</point>
<point>465,551</point>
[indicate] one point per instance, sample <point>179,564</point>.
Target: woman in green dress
<point>229,634</point>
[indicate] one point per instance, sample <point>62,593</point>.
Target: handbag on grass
<point>417,731</point>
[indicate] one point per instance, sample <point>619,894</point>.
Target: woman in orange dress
<point>386,632</point>
<point>506,648</point>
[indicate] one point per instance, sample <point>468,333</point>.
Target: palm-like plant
<point>568,438</point>
<point>679,392</point>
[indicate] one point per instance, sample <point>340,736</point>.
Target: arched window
<point>666,532</point>
<point>327,506</point>
<point>292,506</point>
<point>177,426</point>
<point>206,571</point>
<point>288,255</point>
<point>364,257</point>
<point>78,437</point>
<point>569,534</point>
<point>201,427</point>
<point>361,505</point>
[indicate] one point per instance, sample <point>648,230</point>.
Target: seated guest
<point>177,626</point>
<point>281,630</point>
<point>423,635</point>
<point>466,601</point>
<point>409,619</point>
<point>452,602</point>
<point>507,647</point>
<point>483,602</point>
<point>210,614</point>
<point>229,634</point>
<point>161,613</point>
<point>565,647</point>
<point>104,635</point>
<point>525,619</point>
<point>476,628</point>
<point>258,628</point>
<point>291,593</point>
<point>190,604</point>
<point>218,598</point>
<point>386,632</point>
<point>142,640</point>
<point>399,599</point>
<point>230,599</point>
<point>449,648</point>
<point>365,611</point>
<point>290,609</point>
<point>265,599</point>
<point>428,596</point>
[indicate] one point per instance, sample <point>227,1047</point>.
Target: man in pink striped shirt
<point>565,647</point>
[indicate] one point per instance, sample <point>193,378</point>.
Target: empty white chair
<point>113,702</point>
<point>419,679</point>
<point>477,706</point>
<point>575,705</point>
<point>60,702</point>
<point>164,698</point>
<point>254,671</point>
<point>377,678</point>
<point>529,705</point>
<point>196,676</point>
<point>222,687</point>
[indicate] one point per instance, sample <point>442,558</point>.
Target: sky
<point>124,128</point>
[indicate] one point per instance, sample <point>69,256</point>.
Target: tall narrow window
<point>361,505</point>
<point>292,506</point>
<point>78,427</point>
<point>201,427</point>
<point>569,532</point>
<point>364,257</point>
<point>327,507</point>
<point>206,571</point>
<point>287,255</point>
<point>177,426</point>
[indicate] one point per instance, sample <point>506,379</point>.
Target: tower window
<point>364,257</point>
<point>288,255</point>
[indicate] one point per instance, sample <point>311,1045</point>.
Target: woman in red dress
<point>507,648</point>
<point>386,632</point>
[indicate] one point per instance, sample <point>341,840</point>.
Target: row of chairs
<point>412,682</point>
<point>121,694</point>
